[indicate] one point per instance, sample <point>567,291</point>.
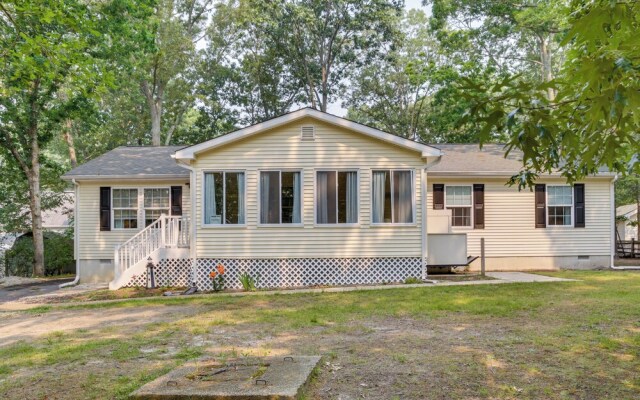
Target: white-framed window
<point>459,199</point>
<point>156,202</point>
<point>224,198</point>
<point>124,207</point>
<point>280,197</point>
<point>559,205</point>
<point>336,197</point>
<point>392,197</point>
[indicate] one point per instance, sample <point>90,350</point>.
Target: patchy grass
<point>535,340</point>
<point>106,294</point>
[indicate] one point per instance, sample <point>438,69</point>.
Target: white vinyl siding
<point>510,221</point>
<point>94,244</point>
<point>334,148</point>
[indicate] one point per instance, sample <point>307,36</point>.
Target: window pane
<point>125,198</point>
<point>458,195</point>
<point>232,198</point>
<point>156,198</point>
<point>151,216</point>
<point>460,216</point>
<point>125,219</point>
<point>560,195</point>
<point>291,197</point>
<point>402,197</point>
<point>326,197</point>
<point>560,215</point>
<point>213,198</point>
<point>381,197</point>
<point>269,197</point>
<point>342,198</point>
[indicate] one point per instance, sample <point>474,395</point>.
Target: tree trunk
<point>546,71</point>
<point>154,102</point>
<point>33,177</point>
<point>155,123</point>
<point>68,138</point>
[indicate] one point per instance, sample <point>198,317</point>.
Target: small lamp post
<point>151,279</point>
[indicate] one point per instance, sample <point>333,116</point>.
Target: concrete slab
<point>525,277</point>
<point>252,378</point>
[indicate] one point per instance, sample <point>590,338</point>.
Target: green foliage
<point>412,280</point>
<point>249,283</point>
<point>58,250</point>
<point>593,121</point>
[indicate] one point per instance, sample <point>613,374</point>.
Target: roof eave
<point>499,174</point>
<point>124,177</point>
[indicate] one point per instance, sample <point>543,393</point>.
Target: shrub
<point>411,280</point>
<point>58,255</point>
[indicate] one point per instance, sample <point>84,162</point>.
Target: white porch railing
<point>166,231</point>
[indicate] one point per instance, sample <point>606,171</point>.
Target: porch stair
<point>166,235</point>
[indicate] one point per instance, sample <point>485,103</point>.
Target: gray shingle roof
<point>131,162</point>
<point>470,158</point>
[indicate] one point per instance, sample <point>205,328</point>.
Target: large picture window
<point>392,197</point>
<point>156,203</point>
<point>125,208</point>
<point>559,205</point>
<point>280,197</point>
<point>224,194</point>
<point>337,197</point>
<point>459,199</point>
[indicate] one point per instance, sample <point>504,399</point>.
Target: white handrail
<point>166,231</point>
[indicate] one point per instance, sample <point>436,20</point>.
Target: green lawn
<point>540,340</point>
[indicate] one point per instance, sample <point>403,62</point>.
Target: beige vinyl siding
<point>333,148</point>
<point>510,221</point>
<point>96,244</point>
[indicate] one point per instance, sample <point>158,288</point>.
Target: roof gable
<point>189,153</point>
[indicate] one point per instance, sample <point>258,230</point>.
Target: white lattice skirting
<point>297,272</point>
<point>168,272</point>
<point>283,273</point>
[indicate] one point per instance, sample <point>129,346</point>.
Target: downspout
<point>193,202</point>
<point>76,202</point>
<point>613,230</point>
<point>425,235</point>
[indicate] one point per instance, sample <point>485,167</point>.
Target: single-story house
<point>627,216</point>
<point>309,198</point>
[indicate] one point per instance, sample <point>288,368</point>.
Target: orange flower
<point>220,269</point>
<point>212,274</point>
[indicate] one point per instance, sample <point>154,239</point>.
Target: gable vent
<point>308,133</point>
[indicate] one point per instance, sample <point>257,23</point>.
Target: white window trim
<point>315,199</point>
<point>259,191</point>
<point>470,207</point>
<point>224,210</point>
<point>571,216</point>
<point>413,198</point>
<point>144,209</point>
<point>113,214</point>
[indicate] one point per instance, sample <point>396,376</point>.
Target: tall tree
<point>47,46</point>
<point>323,41</point>
<point>166,71</point>
<point>394,93</point>
<point>509,36</point>
<point>594,120</point>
